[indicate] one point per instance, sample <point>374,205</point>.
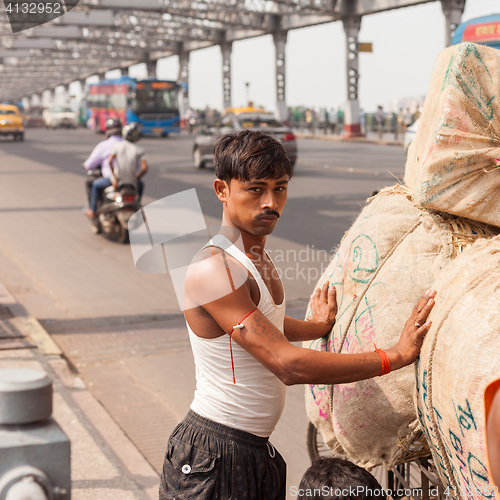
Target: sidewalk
<point>105,465</point>
<point>370,138</point>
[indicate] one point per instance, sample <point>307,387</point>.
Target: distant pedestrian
<point>380,121</point>
<point>416,115</point>
<point>340,120</point>
<point>308,118</point>
<point>408,117</point>
<point>401,121</point>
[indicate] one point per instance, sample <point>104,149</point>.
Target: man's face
<point>256,205</point>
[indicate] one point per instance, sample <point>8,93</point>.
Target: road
<point>122,329</point>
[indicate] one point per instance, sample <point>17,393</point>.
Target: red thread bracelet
<point>238,325</point>
<point>386,365</point>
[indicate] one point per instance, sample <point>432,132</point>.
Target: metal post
<point>34,451</point>
<point>352,127</point>
<point>51,93</point>
<point>280,44</point>
<point>151,68</point>
<point>67,95</point>
<point>184,80</point>
<point>226,48</point>
<point>453,10</point>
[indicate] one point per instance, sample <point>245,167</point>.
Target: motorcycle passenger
<point>127,160</point>
<point>100,157</point>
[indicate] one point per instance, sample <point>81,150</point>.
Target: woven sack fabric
<point>388,258</point>
<point>459,357</point>
<point>452,165</point>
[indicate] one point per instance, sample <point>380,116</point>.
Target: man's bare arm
<point>323,308</point>
<point>292,364</point>
<point>144,169</point>
<point>296,365</point>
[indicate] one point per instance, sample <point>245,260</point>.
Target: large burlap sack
<point>388,258</point>
<point>459,358</point>
<point>452,165</point>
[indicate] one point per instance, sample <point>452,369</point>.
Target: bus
<point>484,30</point>
<point>152,103</point>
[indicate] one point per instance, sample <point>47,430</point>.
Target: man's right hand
<point>405,352</point>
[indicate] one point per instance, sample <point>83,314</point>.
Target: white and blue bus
<point>152,103</point>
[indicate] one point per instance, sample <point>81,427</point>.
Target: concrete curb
<point>105,463</point>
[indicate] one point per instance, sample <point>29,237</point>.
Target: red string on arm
<point>386,365</point>
<point>238,325</point>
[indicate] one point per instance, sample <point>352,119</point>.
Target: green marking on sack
<point>362,258</point>
<point>462,77</point>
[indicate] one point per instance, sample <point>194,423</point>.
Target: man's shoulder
<point>213,274</point>
<point>118,145</point>
<point>139,150</point>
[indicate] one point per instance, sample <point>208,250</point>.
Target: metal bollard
<point>34,451</point>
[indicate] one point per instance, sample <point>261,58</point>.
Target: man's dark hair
<point>250,154</point>
<point>335,478</point>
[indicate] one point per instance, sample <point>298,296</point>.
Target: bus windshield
<point>155,97</point>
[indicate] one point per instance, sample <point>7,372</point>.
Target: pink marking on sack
<point>321,399</point>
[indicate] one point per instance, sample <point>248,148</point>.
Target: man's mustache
<point>265,215</point>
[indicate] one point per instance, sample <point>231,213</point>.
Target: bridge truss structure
<point>97,36</point>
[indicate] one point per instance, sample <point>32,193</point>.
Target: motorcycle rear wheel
<point>122,235</point>
<point>96,228</point>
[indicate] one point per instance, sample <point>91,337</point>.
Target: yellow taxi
<point>11,122</point>
<point>236,119</point>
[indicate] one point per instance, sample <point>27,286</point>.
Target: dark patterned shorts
<point>207,461</point>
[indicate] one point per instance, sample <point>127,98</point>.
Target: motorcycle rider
<point>100,157</point>
<point>127,160</point>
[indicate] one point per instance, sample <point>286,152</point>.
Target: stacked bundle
<point>397,248</point>
<point>454,167</point>
<point>459,358</point>
<point>454,163</point>
<point>391,254</point>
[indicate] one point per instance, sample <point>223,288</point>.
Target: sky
<point>405,42</point>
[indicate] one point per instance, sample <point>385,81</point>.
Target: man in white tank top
<point>234,304</point>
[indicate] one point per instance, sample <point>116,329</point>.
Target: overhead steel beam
<point>100,35</point>
<point>88,17</point>
<point>57,31</point>
<point>366,7</point>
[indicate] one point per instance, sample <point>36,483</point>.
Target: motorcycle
<point>114,209</point>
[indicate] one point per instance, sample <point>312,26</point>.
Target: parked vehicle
<point>114,209</point>
<point>60,116</point>
<point>11,122</point>
<point>236,119</point>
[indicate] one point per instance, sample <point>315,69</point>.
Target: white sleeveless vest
<point>255,403</point>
